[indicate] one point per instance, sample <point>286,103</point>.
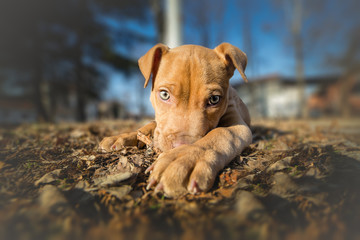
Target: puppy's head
<point>189,89</point>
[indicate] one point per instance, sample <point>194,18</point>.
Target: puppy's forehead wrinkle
<point>181,66</point>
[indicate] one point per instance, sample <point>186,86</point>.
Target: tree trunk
<point>37,79</point>
<point>300,76</point>
<point>158,9</point>
<point>41,113</point>
<point>345,91</point>
<point>80,94</point>
<point>299,56</point>
<point>79,82</point>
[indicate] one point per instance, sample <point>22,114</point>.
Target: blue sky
<point>272,49</point>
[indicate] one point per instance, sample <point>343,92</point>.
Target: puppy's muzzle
<point>178,140</point>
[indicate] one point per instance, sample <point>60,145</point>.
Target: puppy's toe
<point>115,143</point>
<point>125,139</point>
<point>159,166</point>
<point>118,144</point>
<point>175,177</point>
<point>202,177</point>
<point>106,143</point>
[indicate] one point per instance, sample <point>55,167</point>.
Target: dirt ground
<point>297,180</point>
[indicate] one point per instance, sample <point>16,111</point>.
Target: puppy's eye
<point>213,100</point>
<point>164,95</point>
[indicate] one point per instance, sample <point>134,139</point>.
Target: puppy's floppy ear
<point>149,63</point>
<point>233,57</point>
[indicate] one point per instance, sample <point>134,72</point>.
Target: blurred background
<point>76,60</point>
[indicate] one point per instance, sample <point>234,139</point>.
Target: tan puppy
<point>200,122</point>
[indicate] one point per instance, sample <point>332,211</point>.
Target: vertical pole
<point>173,23</point>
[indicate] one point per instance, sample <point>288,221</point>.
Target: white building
<point>274,96</point>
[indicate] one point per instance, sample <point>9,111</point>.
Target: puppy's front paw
<point>187,168</point>
<point>115,143</point>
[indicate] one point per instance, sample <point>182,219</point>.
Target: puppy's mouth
<point>180,140</point>
<point>171,141</point>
